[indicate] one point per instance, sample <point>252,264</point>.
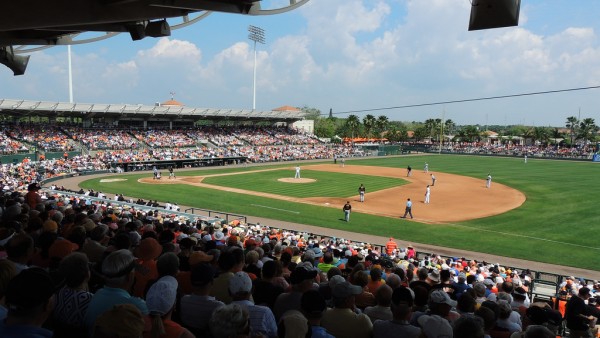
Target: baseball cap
<point>345,290</point>
<point>404,295</point>
<point>162,295</point>
<point>335,280</point>
<point>29,289</point>
<point>435,326</point>
<point>312,303</point>
<point>198,257</point>
<point>294,324</point>
<point>441,297</point>
<point>318,252</point>
<point>240,282</point>
<point>301,274</point>
<point>201,274</point>
<point>488,282</point>
<point>61,248</point>
<point>122,321</point>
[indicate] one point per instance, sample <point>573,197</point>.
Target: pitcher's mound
<point>297,180</point>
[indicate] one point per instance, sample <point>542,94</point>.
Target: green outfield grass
<point>326,184</point>
<point>557,224</point>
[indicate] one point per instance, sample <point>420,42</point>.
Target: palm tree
<point>472,133</point>
<point>541,134</point>
<point>382,124</point>
<point>449,126</point>
<point>353,122</point>
<point>369,123</point>
<point>572,123</point>
<point>588,129</point>
<point>556,134</point>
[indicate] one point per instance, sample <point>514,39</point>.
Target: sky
<point>351,56</point>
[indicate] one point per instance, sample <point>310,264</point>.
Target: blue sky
<point>346,55</point>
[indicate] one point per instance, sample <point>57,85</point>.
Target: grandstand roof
<point>22,108</point>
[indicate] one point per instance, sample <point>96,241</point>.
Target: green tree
<point>572,123</point>
<point>312,113</point>
<point>421,132</point>
<point>353,124</point>
<point>541,134</point>
<point>382,124</point>
<point>588,130</point>
<point>472,133</point>
<point>325,127</point>
<point>369,123</point>
<point>449,127</point>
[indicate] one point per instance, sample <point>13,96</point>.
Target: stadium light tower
<point>255,34</point>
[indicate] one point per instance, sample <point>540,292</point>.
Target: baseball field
<point>543,210</point>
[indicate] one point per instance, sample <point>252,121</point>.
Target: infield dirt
<point>453,198</point>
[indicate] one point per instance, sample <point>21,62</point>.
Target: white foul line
<point>264,206</point>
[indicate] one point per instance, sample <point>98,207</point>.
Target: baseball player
<point>408,171</point>
<point>426,169</point>
<point>432,180</point>
<point>488,181</point>
<point>427,194</point>
<point>361,192</point>
<point>347,208</point>
<point>171,173</point>
<point>297,172</point>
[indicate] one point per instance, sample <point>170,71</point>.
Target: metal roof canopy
<point>21,108</point>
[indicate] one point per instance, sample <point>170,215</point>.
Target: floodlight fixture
<point>486,14</point>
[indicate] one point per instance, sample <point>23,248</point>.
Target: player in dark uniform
<point>171,173</point>
<point>408,171</point>
<point>361,192</point>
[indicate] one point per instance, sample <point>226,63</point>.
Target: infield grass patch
<point>326,184</point>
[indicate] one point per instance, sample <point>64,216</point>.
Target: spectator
<point>7,272</point>
<point>313,306</point>
<point>375,281</point>
<point>489,319</point>
<point>160,300</point>
<point>365,298</point>
<point>230,321</point>
<point>29,299</point>
<point>118,269</point>
<point>267,289</point>
<point>197,308</point>
<point>342,321</point>
<point>262,320</point>
<point>147,253</point>
<point>293,324</point>
<point>469,327</point>
<point>578,315</point>
<point>382,311</point>
<point>19,250</point>
<point>301,279</point>
<point>504,321</point>
<point>230,261</point>
<point>122,321</point>
<point>327,262</point>
<point>399,326</point>
<point>73,299</point>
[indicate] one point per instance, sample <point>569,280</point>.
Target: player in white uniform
<point>427,194</point>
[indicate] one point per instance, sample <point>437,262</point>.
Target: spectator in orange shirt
<point>391,246</point>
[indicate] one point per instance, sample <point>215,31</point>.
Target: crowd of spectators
<point>508,149</point>
<point>71,267</point>
<point>9,145</point>
<point>95,139</point>
<point>47,138</point>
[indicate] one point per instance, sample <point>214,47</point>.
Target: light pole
<point>255,34</point>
